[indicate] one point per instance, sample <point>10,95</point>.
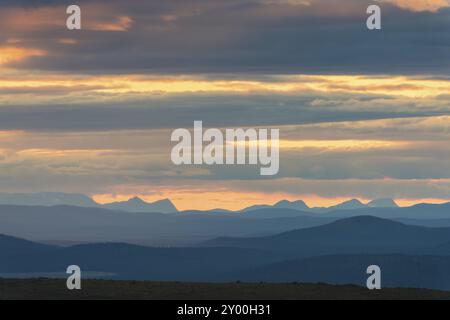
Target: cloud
<point>409,161</point>
<point>182,111</point>
<point>58,102</point>
<point>287,2</point>
<point>122,23</point>
<point>10,55</point>
<point>420,5</point>
<point>362,114</point>
<point>222,83</point>
<point>241,37</point>
<point>367,189</point>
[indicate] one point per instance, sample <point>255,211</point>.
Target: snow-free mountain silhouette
<point>136,204</point>
<point>71,224</point>
<point>127,261</point>
<point>283,204</point>
<point>49,199</point>
<point>382,203</point>
<point>363,234</point>
<point>346,205</point>
<point>338,252</point>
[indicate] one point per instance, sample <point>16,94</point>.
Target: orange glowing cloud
<point>13,54</point>
<point>122,23</point>
<point>420,5</point>
<point>67,41</point>
<point>411,202</point>
<point>121,85</point>
<point>332,145</point>
<point>52,153</point>
<point>95,17</point>
<point>23,20</point>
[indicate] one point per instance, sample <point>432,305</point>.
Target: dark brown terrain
<point>141,290</point>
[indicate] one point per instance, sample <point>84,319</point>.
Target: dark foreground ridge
<point>145,290</point>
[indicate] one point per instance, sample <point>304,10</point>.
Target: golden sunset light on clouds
<point>361,115</point>
<point>420,5</point>
<point>10,55</point>
<point>228,149</point>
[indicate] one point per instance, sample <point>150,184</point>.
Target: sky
<point>362,114</point>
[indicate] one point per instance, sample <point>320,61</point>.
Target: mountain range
<point>287,241</point>
<point>347,205</point>
<point>337,252</point>
<point>125,261</point>
<point>74,225</point>
<point>49,199</point>
<point>362,234</point>
<point>70,224</point>
<point>284,204</point>
<point>136,204</point>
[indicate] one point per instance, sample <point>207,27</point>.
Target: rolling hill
<point>126,261</point>
<point>419,212</point>
<point>364,234</point>
<point>72,225</point>
<point>337,253</point>
<point>397,271</point>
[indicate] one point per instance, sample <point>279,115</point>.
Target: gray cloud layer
<point>193,36</point>
<point>214,110</point>
<point>232,38</point>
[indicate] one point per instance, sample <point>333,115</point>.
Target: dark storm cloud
<point>193,36</point>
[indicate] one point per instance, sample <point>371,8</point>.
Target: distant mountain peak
<point>383,203</point>
<point>364,221</point>
<point>299,205</point>
<point>136,204</point>
<point>353,201</point>
<point>286,204</point>
<point>136,199</point>
<point>349,204</point>
<point>163,201</point>
<point>47,199</point>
